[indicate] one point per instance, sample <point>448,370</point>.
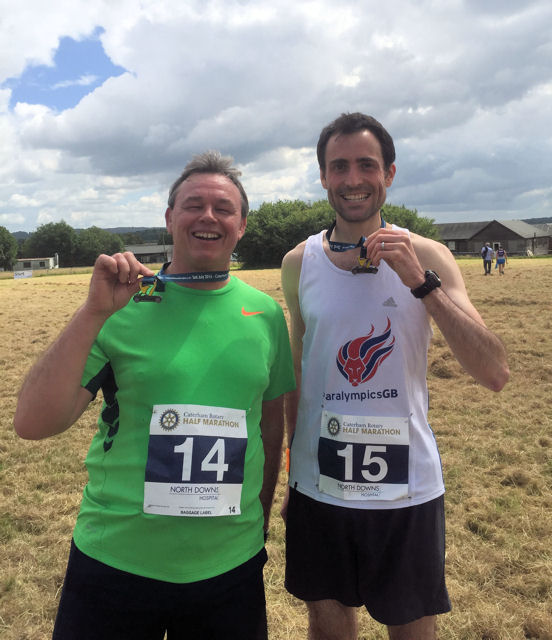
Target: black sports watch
<point>432,281</point>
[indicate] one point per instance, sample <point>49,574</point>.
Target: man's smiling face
<point>206,223</point>
<point>355,177</point>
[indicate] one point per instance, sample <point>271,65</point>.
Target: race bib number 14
<point>195,463</point>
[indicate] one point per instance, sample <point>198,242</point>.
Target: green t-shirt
<point>183,384</point>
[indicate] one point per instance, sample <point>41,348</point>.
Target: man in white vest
<point>365,517</point>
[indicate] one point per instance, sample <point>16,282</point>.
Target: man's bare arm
<point>51,398</point>
<point>479,351</point>
<point>291,271</point>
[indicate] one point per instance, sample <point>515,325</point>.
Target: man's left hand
<point>395,247</point>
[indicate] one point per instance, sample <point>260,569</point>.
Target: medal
<point>364,265</point>
<point>146,291</point>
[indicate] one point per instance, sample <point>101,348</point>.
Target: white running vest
<point>362,438</point>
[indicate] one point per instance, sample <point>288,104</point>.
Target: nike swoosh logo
<point>250,313</point>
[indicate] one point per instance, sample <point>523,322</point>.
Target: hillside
<point>140,235</point>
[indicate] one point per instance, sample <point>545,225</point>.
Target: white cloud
<point>83,81</point>
<point>19,200</point>
<point>11,219</point>
<point>463,87</point>
<point>45,216</point>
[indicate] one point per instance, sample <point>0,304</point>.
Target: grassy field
<point>496,451</point>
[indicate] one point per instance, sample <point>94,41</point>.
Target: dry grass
<point>496,451</point>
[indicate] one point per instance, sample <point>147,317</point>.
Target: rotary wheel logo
<point>333,426</point>
<point>169,420</point>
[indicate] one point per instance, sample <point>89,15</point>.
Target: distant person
<point>501,259</point>
<point>365,514</point>
<point>182,468</point>
<point>487,255</point>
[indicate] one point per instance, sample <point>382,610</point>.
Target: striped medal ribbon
<point>150,284</point>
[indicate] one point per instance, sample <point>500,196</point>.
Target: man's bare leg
<point>421,629</point>
<point>331,620</point>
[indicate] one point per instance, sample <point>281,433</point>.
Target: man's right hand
<point>114,281</point>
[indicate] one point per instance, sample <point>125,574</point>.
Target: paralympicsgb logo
<point>359,359</point>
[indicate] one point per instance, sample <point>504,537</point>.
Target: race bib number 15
<point>195,461</point>
<point>362,457</point>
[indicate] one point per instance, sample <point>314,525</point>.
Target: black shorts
<point>391,561</point>
<point>99,601</point>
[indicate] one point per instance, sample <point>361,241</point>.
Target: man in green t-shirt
<point>192,365</point>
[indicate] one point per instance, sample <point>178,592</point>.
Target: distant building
<point>151,253</point>
<point>546,227</point>
<point>36,264</point>
<point>516,236</point>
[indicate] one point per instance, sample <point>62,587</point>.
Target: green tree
<point>277,227</point>
<point>52,238</point>
<point>132,237</point>
<point>410,219</point>
<point>8,249</point>
<point>93,241</point>
<point>20,247</point>
<point>164,237</point>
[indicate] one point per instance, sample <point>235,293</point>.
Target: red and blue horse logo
<point>359,359</point>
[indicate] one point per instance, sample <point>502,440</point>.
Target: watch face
<point>431,276</point>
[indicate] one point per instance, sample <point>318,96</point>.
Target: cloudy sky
<point>103,102</point>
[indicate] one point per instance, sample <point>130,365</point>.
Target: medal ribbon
<point>150,284</point>
<point>345,246</point>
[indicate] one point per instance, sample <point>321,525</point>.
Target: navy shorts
<point>392,561</point>
<point>98,601</point>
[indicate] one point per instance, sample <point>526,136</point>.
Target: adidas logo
<point>390,303</point>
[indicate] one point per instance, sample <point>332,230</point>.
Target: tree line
<point>277,227</point>
<point>74,247</point>
<point>272,230</point>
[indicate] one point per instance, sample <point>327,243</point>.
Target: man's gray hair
<point>211,162</point>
